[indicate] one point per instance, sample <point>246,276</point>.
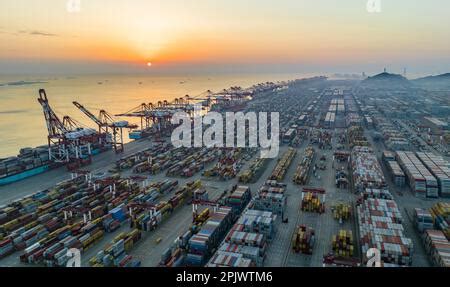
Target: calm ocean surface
<point>22,122</point>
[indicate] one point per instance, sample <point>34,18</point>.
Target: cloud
<point>37,33</point>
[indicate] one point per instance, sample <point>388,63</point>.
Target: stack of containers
<point>302,173</point>
<point>254,171</point>
<point>172,257</point>
<point>59,256</point>
<point>148,221</point>
<point>246,240</point>
<point>119,213</point>
<point>342,211</point>
<point>380,226</point>
<point>110,224</point>
<point>398,176</point>
<point>179,198</point>
<point>36,223</point>
<point>6,247</point>
<point>366,169</point>
<point>165,186</point>
<point>115,254</point>
<point>239,199</point>
<point>240,237</point>
<point>247,252</point>
<point>200,194</point>
<point>377,193</point>
<point>421,181</point>
<point>441,216</point>
<point>24,237</point>
<point>270,201</point>
<point>227,166</point>
<point>423,219</point>
<point>257,221</point>
<point>90,236</point>
<point>283,164</point>
<point>312,201</point>
<point>165,210</point>
<point>342,243</point>
<point>228,259</point>
<point>209,236</point>
<point>438,247</point>
<point>439,168</point>
<point>29,162</point>
<point>303,240</point>
<point>388,156</point>
<point>356,136</point>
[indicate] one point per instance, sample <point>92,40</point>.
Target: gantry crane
<point>158,116</point>
<point>201,216</point>
<point>67,142</point>
<point>105,122</point>
<point>234,98</point>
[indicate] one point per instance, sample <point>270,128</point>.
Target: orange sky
<point>202,31</point>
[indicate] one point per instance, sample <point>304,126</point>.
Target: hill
<point>438,78</point>
<point>387,80</point>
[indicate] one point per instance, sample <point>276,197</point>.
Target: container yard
<point>246,243</point>
<point>234,143</point>
<point>366,169</point>
<point>283,164</point>
<point>337,188</point>
<point>420,180</point>
<point>302,173</point>
<point>380,226</point>
<point>440,169</point>
<point>255,170</point>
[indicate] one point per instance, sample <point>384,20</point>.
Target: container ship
<point>29,162</point>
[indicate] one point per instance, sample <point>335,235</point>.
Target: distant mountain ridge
<point>386,76</point>
<point>387,80</point>
<point>440,77</point>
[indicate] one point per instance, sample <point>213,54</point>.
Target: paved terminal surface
<point>280,251</point>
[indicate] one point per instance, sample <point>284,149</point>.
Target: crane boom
<point>67,142</point>
<point>88,113</point>
<point>55,126</point>
<point>105,121</point>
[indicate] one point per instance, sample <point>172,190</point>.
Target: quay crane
<point>68,143</point>
<point>204,215</point>
<point>105,122</point>
<point>156,118</point>
<point>158,115</point>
